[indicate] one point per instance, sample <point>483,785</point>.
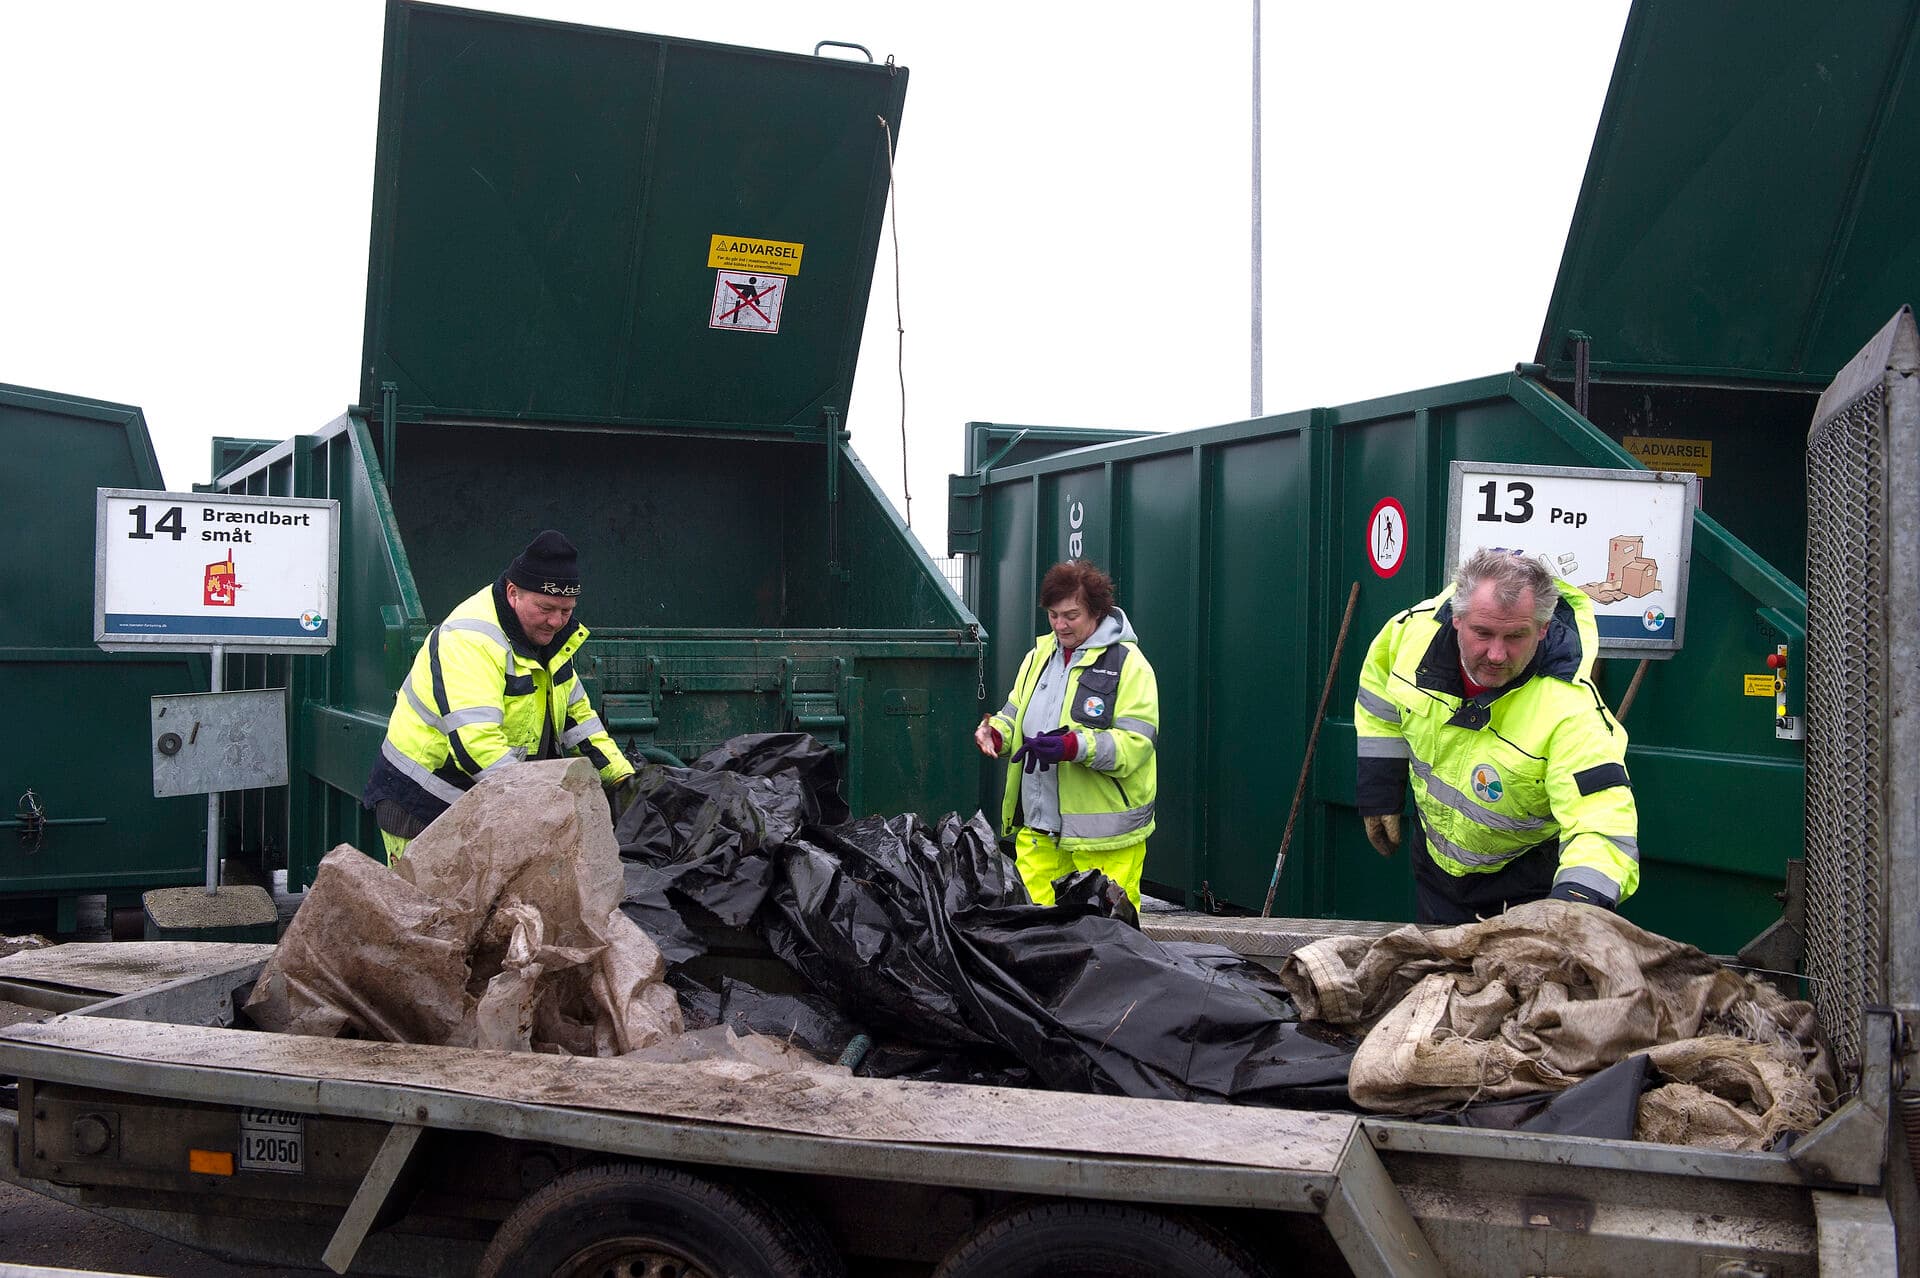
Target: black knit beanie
<point>548,566</point>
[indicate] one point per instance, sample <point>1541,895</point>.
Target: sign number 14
<point>169,523</point>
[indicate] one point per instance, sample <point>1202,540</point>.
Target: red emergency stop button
<point>1776,661</point>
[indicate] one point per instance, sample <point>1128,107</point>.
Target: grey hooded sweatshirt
<point>1040,791</point>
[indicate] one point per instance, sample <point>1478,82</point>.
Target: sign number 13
<point>1519,494</point>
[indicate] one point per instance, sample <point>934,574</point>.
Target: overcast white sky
<point>189,186</point>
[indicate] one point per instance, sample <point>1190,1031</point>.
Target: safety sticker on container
<point>739,253</point>
<point>746,302</point>
<point>1694,456</point>
<point>1759,685</point>
<point>1387,536</point>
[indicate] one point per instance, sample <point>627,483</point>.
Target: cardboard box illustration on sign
<point>1630,574</point>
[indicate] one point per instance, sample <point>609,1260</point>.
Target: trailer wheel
<point>649,1222</point>
<point>1097,1240</point>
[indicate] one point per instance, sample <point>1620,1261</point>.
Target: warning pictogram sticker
<point>748,302</point>
<point>1387,537</point>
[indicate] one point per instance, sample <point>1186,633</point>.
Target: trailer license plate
<point>272,1140</point>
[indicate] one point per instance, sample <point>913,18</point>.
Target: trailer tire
<point>639,1217</point>
<point>1098,1240</point>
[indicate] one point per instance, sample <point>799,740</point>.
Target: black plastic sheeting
<point>923,939</point>
<point>926,935</point>
<point>706,832</point>
<point>930,934</point>
<point>1606,1105</point>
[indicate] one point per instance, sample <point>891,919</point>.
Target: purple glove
<point>1053,746</point>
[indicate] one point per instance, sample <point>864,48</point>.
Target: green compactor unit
<point>616,287</point>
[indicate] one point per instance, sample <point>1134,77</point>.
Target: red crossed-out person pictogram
<point>751,294</point>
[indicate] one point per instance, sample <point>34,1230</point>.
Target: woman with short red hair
<point>1085,710</point>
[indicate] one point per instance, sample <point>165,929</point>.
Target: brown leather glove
<point>1384,833</point>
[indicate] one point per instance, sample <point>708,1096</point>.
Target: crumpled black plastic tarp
<point>929,932</point>
<point>705,831</point>
<point>924,939</point>
<point>815,1024</point>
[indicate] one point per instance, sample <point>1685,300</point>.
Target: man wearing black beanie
<point>493,685</point>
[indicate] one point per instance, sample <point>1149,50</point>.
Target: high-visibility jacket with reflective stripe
<point>1107,791</point>
<point>475,701</point>
<point>1503,772</point>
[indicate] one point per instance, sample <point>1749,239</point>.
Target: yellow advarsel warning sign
<point>739,253</point>
<point>1695,456</point>
<point>1759,685</point>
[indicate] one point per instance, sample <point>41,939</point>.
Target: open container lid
<point>577,224</point>
<point>1747,212</point>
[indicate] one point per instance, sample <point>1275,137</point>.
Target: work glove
<point>1056,745</point>
<point>1384,833</point>
<point>1565,891</point>
<point>621,794</point>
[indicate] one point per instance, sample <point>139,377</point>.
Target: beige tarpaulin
<point>501,928</point>
<point>1545,995</point>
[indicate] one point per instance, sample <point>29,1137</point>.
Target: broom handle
<point>1306,763</point>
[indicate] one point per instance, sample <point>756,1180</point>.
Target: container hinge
<point>836,439</point>
<point>389,430</point>
<point>819,708</point>
<point>632,715</point>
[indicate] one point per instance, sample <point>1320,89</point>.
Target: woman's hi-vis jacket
<point>1107,790</point>
<point>479,698</point>
<point>1502,773</point>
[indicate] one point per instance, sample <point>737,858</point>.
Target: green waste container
<point>1233,550</point>
<point>77,812</point>
<point>616,287</point>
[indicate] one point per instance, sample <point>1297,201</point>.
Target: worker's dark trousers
<point>1443,898</point>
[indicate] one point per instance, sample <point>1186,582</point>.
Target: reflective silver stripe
<point>421,708</point>
<point>581,731</point>
<point>1008,711</point>
<point>1377,706</point>
<point>1141,726</point>
<point>474,714</point>
<point>1443,793</point>
<point>455,721</point>
<point>516,755</point>
<point>478,627</point>
<point>1105,825</point>
<point>1588,877</point>
<point>1456,852</point>
<point>1105,752</point>
<point>1384,748</point>
<point>1627,844</point>
<point>578,694</point>
<point>415,772</point>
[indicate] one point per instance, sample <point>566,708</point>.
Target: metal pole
<point>213,797</point>
<point>1258,355</point>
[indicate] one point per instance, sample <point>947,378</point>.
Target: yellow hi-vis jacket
<point>480,697</point>
<point>1504,772</point>
<point>1105,794</point>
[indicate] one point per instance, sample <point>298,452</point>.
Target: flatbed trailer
<point>138,1099</point>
